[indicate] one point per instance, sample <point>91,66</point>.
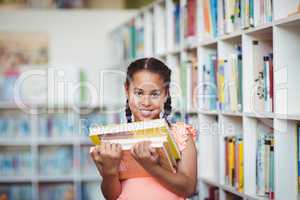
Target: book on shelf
<point>263,97</point>
<point>15,161</point>
<point>190,21</point>
<point>234,167</point>
<point>265,165</point>
<point>140,40</point>
<point>16,191</point>
<point>298,153</point>
<point>189,81</point>
<point>87,166</point>
<point>229,81</point>
<point>57,125</point>
<point>176,20</point>
<point>91,191</point>
<point>213,193</point>
<point>15,126</point>
<point>55,160</point>
<point>209,83</point>
<point>230,16</point>
<point>128,134</point>
<point>159,29</point>
<point>209,19</point>
<point>63,191</point>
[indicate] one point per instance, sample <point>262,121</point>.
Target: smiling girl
<point>148,97</point>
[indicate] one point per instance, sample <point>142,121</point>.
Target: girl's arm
<point>182,183</point>
<point>107,159</point>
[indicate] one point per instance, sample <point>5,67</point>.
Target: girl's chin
<point>145,118</point>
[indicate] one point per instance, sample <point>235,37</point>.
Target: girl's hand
<point>107,158</point>
<point>146,156</point>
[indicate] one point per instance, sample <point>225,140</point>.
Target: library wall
<point>77,38</point>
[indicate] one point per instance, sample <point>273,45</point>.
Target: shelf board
<point>89,177</point>
<point>15,142</point>
<point>260,115</point>
<point>232,190</point>
<point>57,141</point>
<point>263,27</point>
<point>207,112</point>
<point>210,182</point>
<point>234,114</point>
<point>231,35</point>
<point>208,42</point>
<point>85,141</point>
<point>55,178</point>
<point>290,20</point>
<point>288,117</point>
<point>15,179</point>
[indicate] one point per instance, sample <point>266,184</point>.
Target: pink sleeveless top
<point>147,188</point>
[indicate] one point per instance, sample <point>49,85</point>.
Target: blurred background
<point>60,55</point>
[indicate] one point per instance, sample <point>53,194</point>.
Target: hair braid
<point>167,107</point>
<point>128,112</point>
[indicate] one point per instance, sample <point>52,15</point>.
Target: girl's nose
<point>146,101</point>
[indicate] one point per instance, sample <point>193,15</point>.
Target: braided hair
<point>155,66</point>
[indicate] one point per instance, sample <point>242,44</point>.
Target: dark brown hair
<point>155,66</point>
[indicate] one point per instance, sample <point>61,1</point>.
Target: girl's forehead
<point>146,79</point>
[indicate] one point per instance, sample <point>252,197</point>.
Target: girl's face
<point>146,95</point>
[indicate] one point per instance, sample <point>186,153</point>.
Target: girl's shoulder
<point>181,131</point>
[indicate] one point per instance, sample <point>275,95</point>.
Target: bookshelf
<point>265,42</point>
<point>46,155</point>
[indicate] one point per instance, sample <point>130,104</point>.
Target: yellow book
<point>231,161</point>
<point>128,134</point>
<point>144,130</point>
<point>240,166</point>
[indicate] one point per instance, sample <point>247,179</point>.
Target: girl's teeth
<point>146,113</point>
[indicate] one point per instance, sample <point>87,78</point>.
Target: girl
<point>147,90</point>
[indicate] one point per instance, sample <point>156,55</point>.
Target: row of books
<point>255,13</point>
<point>91,191</point>
<point>7,83</point>
<point>87,164</point>
<point>16,192</point>
<point>52,161</point>
<point>263,77</point>
<point>58,125</point>
<point>15,127</point>
<point>234,170</point>
<point>55,160</point>
<point>63,191</point>
<point>229,82</point>
<point>15,161</point>
<point>265,165</point>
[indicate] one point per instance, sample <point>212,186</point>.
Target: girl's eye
<point>156,94</point>
<point>138,93</point>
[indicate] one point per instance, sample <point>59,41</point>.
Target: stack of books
<point>128,134</point>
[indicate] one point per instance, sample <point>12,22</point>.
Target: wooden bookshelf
<point>279,34</point>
